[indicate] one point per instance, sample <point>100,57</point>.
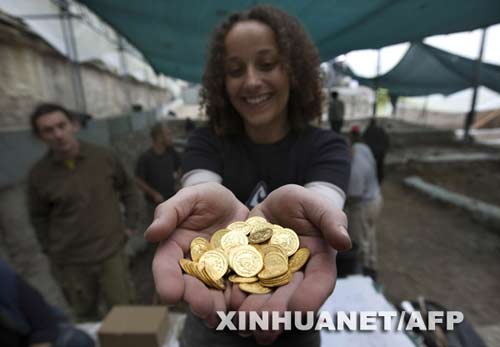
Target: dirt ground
<point>142,276</point>
<point>430,249</point>
<point>478,180</point>
<point>426,248</point>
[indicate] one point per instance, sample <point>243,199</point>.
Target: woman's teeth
<point>257,100</point>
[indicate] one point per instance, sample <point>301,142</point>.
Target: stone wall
<point>19,246</point>
<point>32,71</point>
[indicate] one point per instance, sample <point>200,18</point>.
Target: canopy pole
<point>376,84</point>
<point>71,50</point>
<point>124,68</point>
<point>472,113</point>
<point>423,114</point>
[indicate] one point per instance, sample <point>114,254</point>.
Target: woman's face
<point>256,81</point>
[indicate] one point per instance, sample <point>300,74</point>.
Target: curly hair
<point>301,62</point>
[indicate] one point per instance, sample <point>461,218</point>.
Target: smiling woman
<point>256,81</point>
<point>266,51</point>
<point>259,157</point>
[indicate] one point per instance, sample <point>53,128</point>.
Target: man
<point>336,112</point>
<point>157,169</point>
<point>75,192</point>
<point>364,202</point>
<point>377,139</point>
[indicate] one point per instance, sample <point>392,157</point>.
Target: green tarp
<point>425,70</point>
<point>173,34</point>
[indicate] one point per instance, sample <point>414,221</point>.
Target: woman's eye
<point>267,66</point>
<point>234,71</point>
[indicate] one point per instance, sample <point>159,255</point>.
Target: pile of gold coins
<point>256,254</point>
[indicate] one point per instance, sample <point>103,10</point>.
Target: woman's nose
<point>252,78</point>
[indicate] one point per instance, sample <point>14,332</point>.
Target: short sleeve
<point>203,151</point>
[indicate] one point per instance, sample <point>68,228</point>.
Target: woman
<point>261,88</point>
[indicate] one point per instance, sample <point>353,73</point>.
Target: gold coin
<point>267,274</point>
<point>239,279</point>
<point>232,239</point>
<point>274,260</point>
<point>256,220</point>
<point>215,240</point>
<point>260,234</point>
<point>299,259</point>
<point>258,267</point>
<point>199,245</point>
<point>201,274</point>
<point>207,277</point>
<point>275,264</point>
<point>276,227</point>
<point>264,249</point>
<point>287,239</point>
<point>230,254</point>
<point>185,265</point>
<point>247,261</point>
<point>242,227</point>
<point>254,288</point>
<point>276,281</point>
<point>215,261</point>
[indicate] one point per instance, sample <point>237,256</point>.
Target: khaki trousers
<point>362,219</point>
<point>85,284</point>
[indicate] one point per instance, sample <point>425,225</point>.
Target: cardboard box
<point>134,326</point>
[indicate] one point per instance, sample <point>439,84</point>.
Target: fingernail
<point>150,226</point>
<point>343,230</point>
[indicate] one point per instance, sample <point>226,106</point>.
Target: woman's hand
<point>322,228</point>
<point>194,211</point>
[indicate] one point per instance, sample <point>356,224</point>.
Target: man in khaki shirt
<point>74,195</point>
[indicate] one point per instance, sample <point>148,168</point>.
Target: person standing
<point>259,156</point>
<point>336,112</point>
<point>364,202</point>
<point>158,168</point>
<point>377,139</point>
<point>74,196</point>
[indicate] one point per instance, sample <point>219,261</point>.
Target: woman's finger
<point>167,272</point>
<point>279,303</point>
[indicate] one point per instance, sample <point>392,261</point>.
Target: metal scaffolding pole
<point>469,119</point>
<point>71,51</point>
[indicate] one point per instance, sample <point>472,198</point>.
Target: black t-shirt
<point>158,170</point>
<point>251,170</point>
